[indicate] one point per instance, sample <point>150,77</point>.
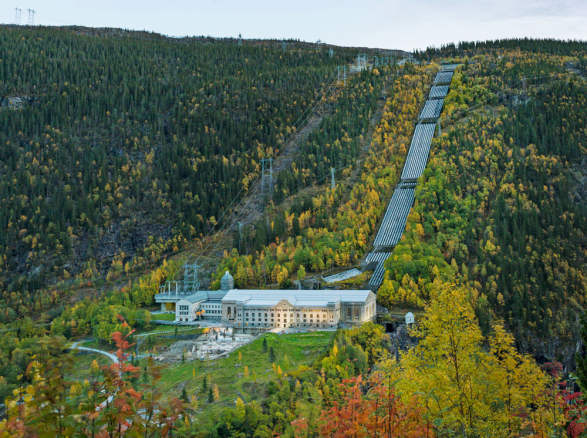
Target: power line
<point>191,281</point>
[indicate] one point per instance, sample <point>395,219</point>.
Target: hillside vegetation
<point>502,203</point>
<point>492,262</point>
<point>129,145</point>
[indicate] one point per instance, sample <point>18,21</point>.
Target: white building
<point>204,304</point>
<point>267,309</point>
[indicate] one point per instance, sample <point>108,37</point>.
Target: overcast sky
<point>401,24</point>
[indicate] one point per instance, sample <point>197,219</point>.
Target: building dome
<point>226,282</point>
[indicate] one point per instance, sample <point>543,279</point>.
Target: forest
<point>501,204</point>
<point>128,146</point>
<point>492,259</point>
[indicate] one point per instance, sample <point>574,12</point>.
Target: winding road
<point>112,356</point>
<point>109,355</point>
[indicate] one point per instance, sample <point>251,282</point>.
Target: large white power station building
<point>266,309</point>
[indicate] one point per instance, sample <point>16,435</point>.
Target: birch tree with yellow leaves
<point>466,388</point>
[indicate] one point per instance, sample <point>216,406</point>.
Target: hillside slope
<point>124,145</point>
<point>492,263</point>
<point>502,203</point>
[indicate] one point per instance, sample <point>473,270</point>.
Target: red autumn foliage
<point>571,402</point>
<point>371,409</point>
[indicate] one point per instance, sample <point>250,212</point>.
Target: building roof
<point>297,298</point>
<point>204,295</point>
<point>216,295</point>
<point>341,276</point>
<point>195,298</point>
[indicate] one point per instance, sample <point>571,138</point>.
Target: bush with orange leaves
<point>370,408</point>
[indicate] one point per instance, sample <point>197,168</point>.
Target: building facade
<point>267,309</point>
<point>304,309</point>
<point>205,304</point>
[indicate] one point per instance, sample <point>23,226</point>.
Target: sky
<point>389,24</point>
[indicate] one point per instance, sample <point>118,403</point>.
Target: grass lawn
<point>228,373</point>
<point>162,335</point>
<point>83,361</point>
<point>291,350</point>
<point>164,316</point>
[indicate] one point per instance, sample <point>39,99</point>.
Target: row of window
<point>291,320</point>
<point>259,314</point>
<point>318,324</point>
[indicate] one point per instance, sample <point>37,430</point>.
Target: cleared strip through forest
<point>250,207</point>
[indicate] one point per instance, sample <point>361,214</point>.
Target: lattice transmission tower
<point>191,282</point>
<point>332,180</point>
<point>266,175</point>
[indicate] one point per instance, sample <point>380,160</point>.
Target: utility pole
<point>17,16</point>
<point>341,74</point>
<point>332,182</point>
<point>266,174</point>
<point>31,17</point>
